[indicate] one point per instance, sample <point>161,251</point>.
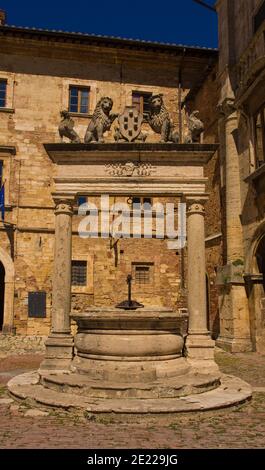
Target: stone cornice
<point>101,41</point>
<point>75,154</point>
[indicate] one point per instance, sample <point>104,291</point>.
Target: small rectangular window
<point>79,273</point>
<point>37,304</point>
<point>260,136</point>
<point>140,100</point>
<point>3,87</point>
<point>143,273</point>
<point>146,202</point>
<point>79,99</point>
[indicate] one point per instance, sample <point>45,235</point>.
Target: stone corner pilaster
<point>234,345</point>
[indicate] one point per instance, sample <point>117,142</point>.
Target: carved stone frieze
<point>130,169</point>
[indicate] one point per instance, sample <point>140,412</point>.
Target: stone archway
<point>9,280</point>
<point>255,266</point>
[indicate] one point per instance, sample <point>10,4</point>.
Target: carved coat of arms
<point>130,123</point>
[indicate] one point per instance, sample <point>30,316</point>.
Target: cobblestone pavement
<point>239,427</point>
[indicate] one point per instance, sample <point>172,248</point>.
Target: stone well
<point>125,345</point>
<point>144,361</point>
<point>131,362</point>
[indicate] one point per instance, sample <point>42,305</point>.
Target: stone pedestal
<point>59,345</point>
<point>200,347</point>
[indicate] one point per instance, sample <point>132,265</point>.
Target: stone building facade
<point>242,152</point>
<point>42,73</point>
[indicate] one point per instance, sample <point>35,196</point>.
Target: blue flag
<point>2,202</point>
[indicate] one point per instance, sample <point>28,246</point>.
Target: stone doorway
<point>2,294</point>
<point>260,295</point>
<point>260,257</point>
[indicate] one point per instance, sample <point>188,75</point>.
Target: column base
<point>234,319</point>
<point>59,353</point>
<point>200,353</point>
<point>8,330</point>
<point>234,345</point>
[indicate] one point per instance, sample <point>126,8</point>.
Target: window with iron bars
<point>142,273</point>
<point>79,273</point>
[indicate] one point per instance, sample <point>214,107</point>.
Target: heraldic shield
<point>130,122</point>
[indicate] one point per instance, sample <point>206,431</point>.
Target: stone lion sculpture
<point>101,121</point>
<point>66,128</point>
<point>195,127</point>
<point>159,120</point>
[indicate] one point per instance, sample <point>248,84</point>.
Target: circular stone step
<point>232,391</point>
<point>167,388</point>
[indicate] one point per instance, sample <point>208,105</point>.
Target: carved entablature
<point>130,169</point>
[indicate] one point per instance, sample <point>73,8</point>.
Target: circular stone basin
<point>123,344</point>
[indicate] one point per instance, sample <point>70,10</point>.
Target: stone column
<point>233,303</point>
<point>59,345</point>
<point>199,345</point>
<point>8,327</point>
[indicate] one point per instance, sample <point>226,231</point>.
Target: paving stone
<point>240,427</point>
<point>35,413</point>
<point>6,401</point>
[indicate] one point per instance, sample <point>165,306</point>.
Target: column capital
<point>196,205</point>
<point>63,206</point>
<point>227,107</point>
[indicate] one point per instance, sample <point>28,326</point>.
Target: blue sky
<point>175,21</point>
